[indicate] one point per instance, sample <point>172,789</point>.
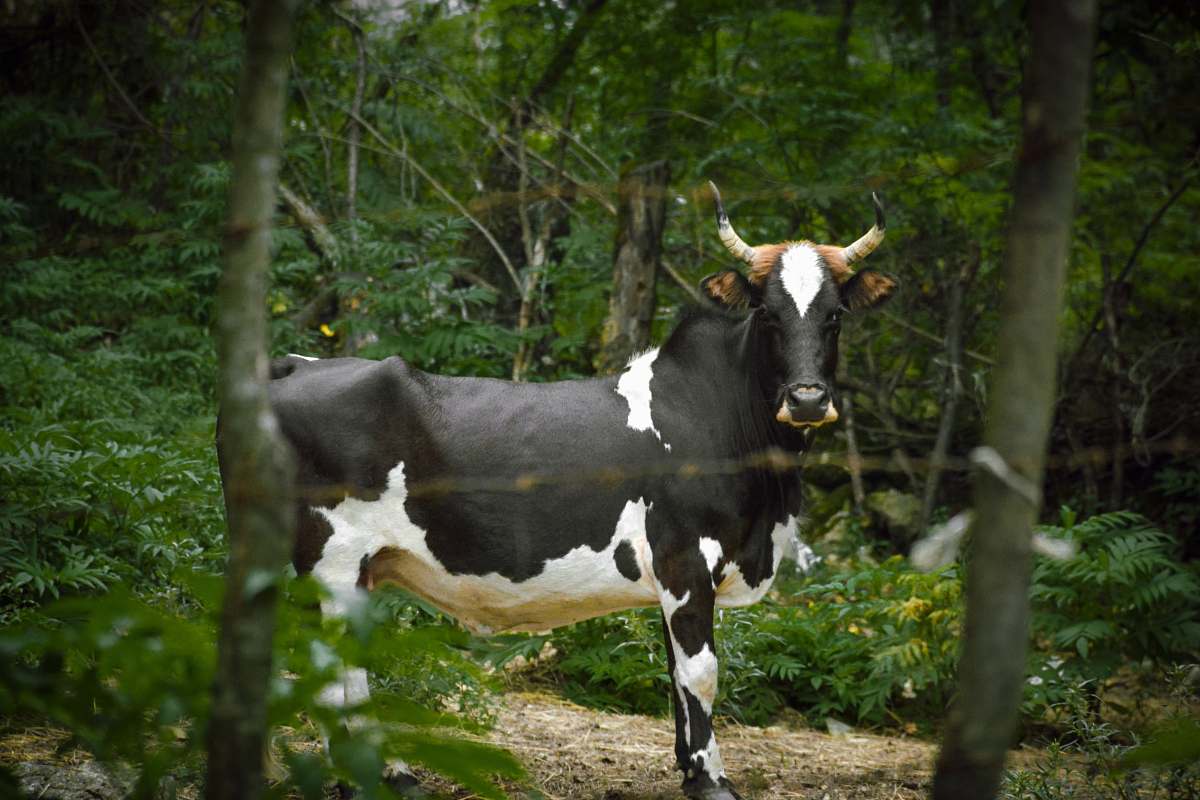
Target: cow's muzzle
<point>806,407</point>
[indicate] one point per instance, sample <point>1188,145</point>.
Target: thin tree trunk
<point>256,464</point>
<point>982,722</point>
<point>942,12</point>
<point>354,134</point>
<point>952,389</point>
<point>501,175</point>
<point>853,456</point>
<point>641,214</point>
<point>842,37</point>
<point>537,249</point>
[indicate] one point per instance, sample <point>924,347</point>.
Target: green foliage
<point>1124,596</point>
<point>617,662</point>
<point>1093,760</point>
<point>132,682</point>
<point>871,643</point>
<point>878,644</point>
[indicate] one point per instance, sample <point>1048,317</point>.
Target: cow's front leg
<point>692,659</point>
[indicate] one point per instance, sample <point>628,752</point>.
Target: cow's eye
<point>834,322</point>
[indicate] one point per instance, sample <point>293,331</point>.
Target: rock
<point>897,514</point>
<point>88,780</point>
<point>820,507</point>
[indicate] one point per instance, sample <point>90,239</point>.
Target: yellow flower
<point>853,628</point>
<point>325,329</point>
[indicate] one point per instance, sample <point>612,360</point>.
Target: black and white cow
<point>749,377</point>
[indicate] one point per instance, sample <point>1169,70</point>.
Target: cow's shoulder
<point>349,419</point>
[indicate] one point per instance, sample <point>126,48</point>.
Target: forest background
<point>518,189</point>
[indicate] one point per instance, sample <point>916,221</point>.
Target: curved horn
<point>733,243</point>
<point>871,239</point>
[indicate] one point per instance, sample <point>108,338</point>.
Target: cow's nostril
<point>808,394</point>
<point>807,403</point>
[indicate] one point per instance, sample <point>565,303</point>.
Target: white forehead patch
<point>802,275</point>
<point>634,386</point>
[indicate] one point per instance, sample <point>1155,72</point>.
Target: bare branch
<point>393,150</point>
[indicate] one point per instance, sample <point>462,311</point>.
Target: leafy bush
<point>879,643</point>
<point>869,644</point>
<point>104,481</point>
<point>1123,597</point>
<point>1092,760</point>
<point>132,683</point>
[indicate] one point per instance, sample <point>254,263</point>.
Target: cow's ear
<point>729,289</point>
<point>867,288</point>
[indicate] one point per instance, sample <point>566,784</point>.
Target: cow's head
<point>799,291</point>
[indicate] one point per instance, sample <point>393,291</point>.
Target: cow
<point>524,507</point>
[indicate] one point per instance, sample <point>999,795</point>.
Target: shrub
<point>869,645</point>
<point>1092,760</point>
<point>1123,597</point>
<point>132,683</point>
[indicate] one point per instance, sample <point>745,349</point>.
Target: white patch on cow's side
<point>634,386</point>
<point>711,550</point>
<point>734,591</point>
<point>581,584</point>
<point>802,275</point>
<point>306,358</point>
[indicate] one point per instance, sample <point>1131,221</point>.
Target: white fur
<point>348,692</point>
<point>634,386</point>
<point>670,603</point>
<point>697,674</point>
<point>579,585</point>
<point>733,590</point>
<point>711,550</point>
<point>713,764</point>
<point>802,275</point>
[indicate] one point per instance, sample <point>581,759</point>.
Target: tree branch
<point>391,148</point>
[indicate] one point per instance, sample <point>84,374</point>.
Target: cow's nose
<point>807,403</point>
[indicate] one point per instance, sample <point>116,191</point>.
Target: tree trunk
<point>256,465</point>
<point>355,133</point>
<point>983,719</point>
<point>952,388</point>
<point>641,213</point>
<point>502,174</point>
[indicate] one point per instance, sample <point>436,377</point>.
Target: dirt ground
<point>573,753</point>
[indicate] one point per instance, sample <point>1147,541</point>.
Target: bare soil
<point>574,752</point>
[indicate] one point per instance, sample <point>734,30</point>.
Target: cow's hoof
<point>702,787</point>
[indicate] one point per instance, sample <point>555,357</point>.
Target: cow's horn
<point>871,239</point>
<point>729,237</point>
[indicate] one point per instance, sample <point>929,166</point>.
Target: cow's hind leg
<point>348,587</point>
<point>693,661</point>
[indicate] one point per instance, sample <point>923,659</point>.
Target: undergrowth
<point>1092,759</point>
<point>877,644</point>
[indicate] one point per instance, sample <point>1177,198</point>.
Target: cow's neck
<point>721,361</point>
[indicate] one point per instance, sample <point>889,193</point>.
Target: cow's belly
<point>580,585</point>
<point>375,540</point>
